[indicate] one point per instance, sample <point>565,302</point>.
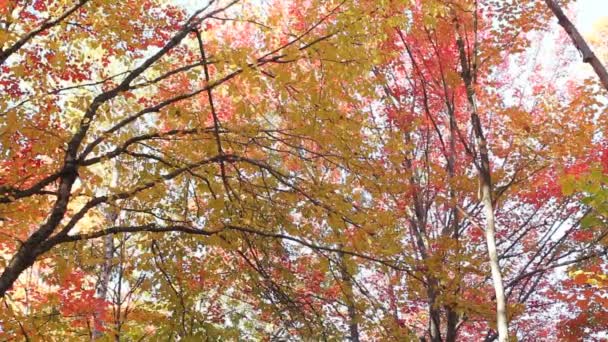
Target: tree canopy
<point>369,170</point>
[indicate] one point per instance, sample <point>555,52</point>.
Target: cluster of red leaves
<point>79,303</point>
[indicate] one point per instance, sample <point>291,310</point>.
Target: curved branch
<point>153,228</point>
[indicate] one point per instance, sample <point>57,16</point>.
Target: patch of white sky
<point>190,5</point>
<point>589,12</point>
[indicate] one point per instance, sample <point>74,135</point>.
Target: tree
<point>319,169</point>
<point>450,61</point>
<point>132,96</point>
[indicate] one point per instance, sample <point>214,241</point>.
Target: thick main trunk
<point>434,312</point>
<point>451,325</point>
<point>30,249</point>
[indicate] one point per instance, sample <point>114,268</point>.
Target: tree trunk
<point>451,324</point>
<point>501,305</point>
<point>434,311</point>
<point>30,249</point>
<point>106,268</point>
<point>347,288</point>
<point>485,184</point>
<point>579,42</point>
<point>104,281</point>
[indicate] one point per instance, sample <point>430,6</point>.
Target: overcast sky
<point>589,11</point>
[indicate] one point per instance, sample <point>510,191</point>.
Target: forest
<point>303,170</point>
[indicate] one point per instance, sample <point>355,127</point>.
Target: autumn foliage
<point>366,170</point>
